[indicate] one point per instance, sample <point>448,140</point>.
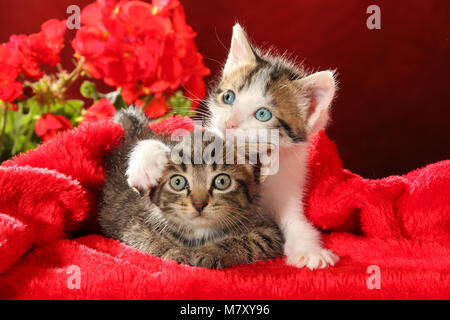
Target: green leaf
<point>75,104</point>
<point>56,108</point>
<point>115,97</point>
<point>73,107</point>
<point>5,154</point>
<point>34,108</point>
<point>20,142</point>
<point>11,122</point>
<point>120,103</point>
<point>27,118</point>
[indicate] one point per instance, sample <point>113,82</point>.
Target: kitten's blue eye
<point>222,181</point>
<point>178,182</point>
<point>263,114</point>
<point>229,97</point>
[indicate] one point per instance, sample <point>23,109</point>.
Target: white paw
<point>315,259</point>
<point>146,164</point>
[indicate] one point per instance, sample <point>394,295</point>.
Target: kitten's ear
<point>318,91</point>
<point>241,51</point>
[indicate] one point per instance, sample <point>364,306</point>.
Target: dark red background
<point>392,112</point>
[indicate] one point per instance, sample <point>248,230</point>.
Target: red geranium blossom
<point>140,47</point>
<point>9,55</point>
<point>48,43</point>
<point>101,110</point>
<point>44,47</point>
<point>48,125</point>
<point>156,108</point>
<point>195,90</point>
<point>28,63</point>
<point>9,88</point>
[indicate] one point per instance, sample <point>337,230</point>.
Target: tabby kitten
<point>199,214</point>
<point>260,90</point>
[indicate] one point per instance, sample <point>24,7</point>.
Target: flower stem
<point>72,77</point>
<point>16,134</point>
<point>3,126</point>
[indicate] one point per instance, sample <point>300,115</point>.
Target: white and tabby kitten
<point>259,90</point>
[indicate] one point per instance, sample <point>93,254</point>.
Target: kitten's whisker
<point>212,59</point>
<point>237,217</point>
<point>192,94</point>
<point>201,113</point>
<point>220,41</point>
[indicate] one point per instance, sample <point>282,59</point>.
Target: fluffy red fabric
<point>400,224</point>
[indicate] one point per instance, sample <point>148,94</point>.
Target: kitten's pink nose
<point>199,205</point>
<point>231,124</point>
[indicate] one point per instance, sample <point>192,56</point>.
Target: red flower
<point>101,110</point>
<point>28,64</point>
<point>48,43</point>
<point>195,90</point>
<point>9,89</point>
<point>140,47</point>
<point>7,72</point>
<point>9,55</point>
<point>131,92</point>
<point>48,125</point>
<point>13,107</point>
<point>156,108</point>
<point>44,46</point>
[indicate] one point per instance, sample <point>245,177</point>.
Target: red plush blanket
<point>392,234</point>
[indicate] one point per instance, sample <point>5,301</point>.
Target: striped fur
<point>229,230</point>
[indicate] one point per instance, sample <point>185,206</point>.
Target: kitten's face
<point>214,197</point>
<point>259,95</point>
<point>267,92</point>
